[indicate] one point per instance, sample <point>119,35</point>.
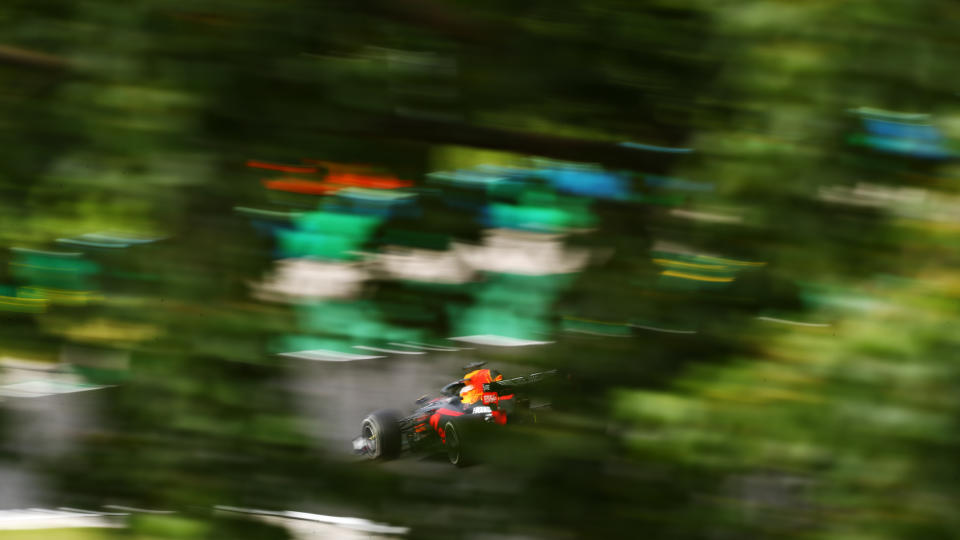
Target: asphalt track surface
<point>332,397</point>
<point>41,429</point>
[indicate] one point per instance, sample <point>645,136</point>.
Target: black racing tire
<point>457,436</point>
<point>383,428</point>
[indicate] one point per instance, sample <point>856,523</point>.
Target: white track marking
<point>323,355</point>
<point>358,524</point>
<point>498,341</point>
<point>795,323</point>
<point>392,351</point>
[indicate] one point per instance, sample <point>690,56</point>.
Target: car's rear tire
<point>459,452</point>
<point>381,429</point>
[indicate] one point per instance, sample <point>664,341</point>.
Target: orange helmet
<point>474,381</point>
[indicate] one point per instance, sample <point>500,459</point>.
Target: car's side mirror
<point>452,389</point>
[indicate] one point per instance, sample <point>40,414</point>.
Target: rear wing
<point>498,386</point>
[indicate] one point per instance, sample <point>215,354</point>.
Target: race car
<point>453,421</point>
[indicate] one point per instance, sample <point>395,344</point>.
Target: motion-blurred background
<point>231,229</point>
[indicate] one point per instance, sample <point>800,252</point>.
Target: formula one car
<point>452,421</point>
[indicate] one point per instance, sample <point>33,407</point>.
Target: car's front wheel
<point>458,452</point>
<point>380,432</point>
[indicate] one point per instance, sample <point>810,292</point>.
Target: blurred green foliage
<point>734,423</point>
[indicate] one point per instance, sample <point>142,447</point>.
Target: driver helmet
<point>473,384</point>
